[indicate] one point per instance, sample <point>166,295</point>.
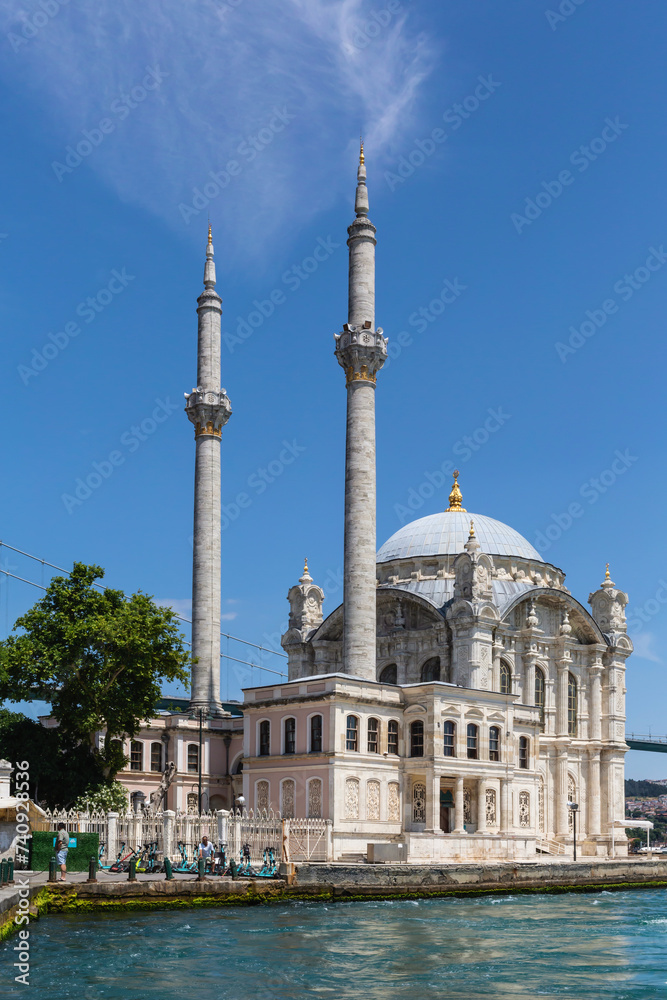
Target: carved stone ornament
<point>288,792</point>
<point>418,802</point>
<point>491,807</point>
<point>373,800</point>
<point>315,798</point>
<point>262,799</point>
<point>393,803</point>
<point>351,798</point>
<point>361,352</point>
<point>209,410</point>
<point>524,809</point>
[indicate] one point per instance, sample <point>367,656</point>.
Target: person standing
<point>62,846</point>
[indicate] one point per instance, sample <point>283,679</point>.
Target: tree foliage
<point>97,656</point>
<point>107,797</point>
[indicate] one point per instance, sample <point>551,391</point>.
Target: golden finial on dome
<point>210,237</point>
<point>455,497</point>
<point>606,573</point>
<point>305,565</point>
<point>472,528</point>
<point>361,150</point>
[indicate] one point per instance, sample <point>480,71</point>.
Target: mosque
<point>460,701</point>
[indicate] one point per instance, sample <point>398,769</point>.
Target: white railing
<point>551,846</point>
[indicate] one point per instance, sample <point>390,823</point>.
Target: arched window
<point>571,705</point>
<point>449,740</point>
<point>389,674</point>
<point>523,752</point>
<point>417,738</point>
<point>373,736</point>
<point>472,741</point>
<point>352,733</point>
<point>539,693</point>
<point>290,736</point>
<point>505,679</point>
<point>136,755</point>
<point>431,669</point>
<point>264,738</point>
<point>494,743</point>
<point>316,734</point>
<point>156,756</point>
<point>392,736</point>
<point>193,757</point>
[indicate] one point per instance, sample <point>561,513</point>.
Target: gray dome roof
<point>445,534</point>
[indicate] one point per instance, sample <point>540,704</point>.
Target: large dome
<point>446,533</point>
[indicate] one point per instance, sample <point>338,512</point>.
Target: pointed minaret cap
<point>472,545</point>
<point>607,583</point>
<point>306,578</point>
<point>361,200</point>
<point>209,268</point>
<point>455,497</point>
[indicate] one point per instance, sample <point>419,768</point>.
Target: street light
<point>201,714</point>
<point>574,807</point>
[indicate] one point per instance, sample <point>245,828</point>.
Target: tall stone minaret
<point>361,350</point>
<point>209,409</point>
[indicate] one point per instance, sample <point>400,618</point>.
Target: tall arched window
<point>290,736</point>
<point>571,705</point>
<point>193,757</point>
<point>523,752</point>
<point>316,734</point>
<point>373,736</point>
<point>352,733</point>
<point>264,738</point>
<point>539,693</point>
<point>494,743</point>
<point>449,739</point>
<point>431,669</point>
<point>392,736</point>
<point>156,756</point>
<point>472,741</point>
<point>505,679</point>
<point>417,738</point>
<point>136,755</point>
<point>389,674</point>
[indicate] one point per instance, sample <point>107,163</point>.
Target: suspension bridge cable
<point>45,562</point>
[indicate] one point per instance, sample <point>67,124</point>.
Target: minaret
<point>209,409</point>
<point>361,350</point>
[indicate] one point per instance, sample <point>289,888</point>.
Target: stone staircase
<point>551,847</point>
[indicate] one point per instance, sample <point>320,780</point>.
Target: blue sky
<point>514,150</point>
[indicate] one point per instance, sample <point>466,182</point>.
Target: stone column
<point>562,827</point>
<point>561,698</point>
<point>481,805</point>
<point>595,706</point>
<point>458,807</point>
<point>361,350</point>
<point>593,794</point>
<point>432,801</point>
<point>222,817</point>
<point>112,837</point>
<point>505,818</point>
<point>168,831</point>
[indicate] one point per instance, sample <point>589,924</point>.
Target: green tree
<point>104,798</point>
<point>97,656</point>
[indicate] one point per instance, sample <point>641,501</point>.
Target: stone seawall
<point>388,879</point>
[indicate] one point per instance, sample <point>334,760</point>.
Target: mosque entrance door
<point>446,807</point>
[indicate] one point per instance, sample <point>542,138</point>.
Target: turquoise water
<point>584,947</point>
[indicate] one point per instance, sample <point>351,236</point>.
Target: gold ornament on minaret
<point>455,497</point>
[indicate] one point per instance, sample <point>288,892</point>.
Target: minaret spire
<point>209,409</point>
<point>361,350</point>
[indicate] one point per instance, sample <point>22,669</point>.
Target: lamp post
<point>574,807</point>
<point>201,714</point>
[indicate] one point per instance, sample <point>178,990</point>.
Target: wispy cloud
<point>643,643</point>
<point>225,69</point>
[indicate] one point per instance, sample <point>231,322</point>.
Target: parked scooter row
<point>218,864</point>
<point>146,859</point>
